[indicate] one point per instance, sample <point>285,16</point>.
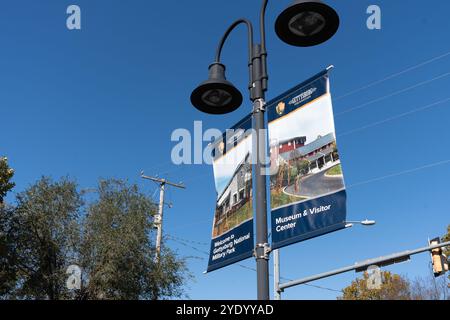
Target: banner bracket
<point>267,251</point>
<point>259,105</point>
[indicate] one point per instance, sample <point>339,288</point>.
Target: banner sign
<point>308,196</point>
<point>232,235</point>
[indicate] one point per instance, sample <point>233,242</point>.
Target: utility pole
<point>159,217</point>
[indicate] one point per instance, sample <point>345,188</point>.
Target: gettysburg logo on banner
<point>308,195</point>
<point>232,235</point>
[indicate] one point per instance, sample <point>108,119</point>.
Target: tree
<point>445,239</point>
<point>7,269</point>
<point>46,238</point>
<point>303,167</point>
<point>429,288</point>
<point>6,174</point>
<point>117,253</point>
<point>394,287</point>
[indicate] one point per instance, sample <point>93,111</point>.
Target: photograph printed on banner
<point>304,157</point>
<point>233,178</point>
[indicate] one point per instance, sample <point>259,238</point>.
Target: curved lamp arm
<point>250,46</point>
<point>261,52</point>
<point>262,25</point>
<point>227,33</point>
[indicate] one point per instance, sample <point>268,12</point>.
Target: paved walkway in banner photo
<point>316,185</point>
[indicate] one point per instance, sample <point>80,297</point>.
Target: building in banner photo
<point>305,170</point>
<point>305,162</point>
<point>234,204</point>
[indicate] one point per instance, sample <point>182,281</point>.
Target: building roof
<point>309,148</point>
<point>320,154</point>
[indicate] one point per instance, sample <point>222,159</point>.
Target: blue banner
<point>307,188</point>
<point>232,235</point>
<point>232,247</point>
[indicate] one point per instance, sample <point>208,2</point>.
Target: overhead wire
<point>253,269</point>
<point>372,84</point>
<point>363,105</point>
<point>394,75</point>
<point>400,173</point>
<point>395,117</point>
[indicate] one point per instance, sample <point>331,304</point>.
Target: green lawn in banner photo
<point>242,214</point>
<point>335,171</point>
<point>278,199</point>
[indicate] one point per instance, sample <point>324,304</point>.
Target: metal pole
<point>158,221</point>
<point>260,80</point>
<point>262,246</point>
<point>258,86</point>
<point>276,274</point>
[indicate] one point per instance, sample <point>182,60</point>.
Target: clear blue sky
<point>103,101</point>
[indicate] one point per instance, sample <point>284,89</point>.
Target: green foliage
<point>118,256</point>
<point>278,199</point>
<point>46,237</point>
<point>303,167</point>
<point>6,174</point>
<point>394,287</point>
<point>8,275</point>
<point>50,228</point>
<point>335,171</point>
<point>8,270</point>
<point>294,172</point>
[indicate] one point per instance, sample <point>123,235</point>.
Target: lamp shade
<point>216,95</point>
<point>307,23</point>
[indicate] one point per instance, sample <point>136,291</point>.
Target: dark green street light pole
<point>304,23</point>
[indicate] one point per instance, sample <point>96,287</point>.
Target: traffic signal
<point>438,258</point>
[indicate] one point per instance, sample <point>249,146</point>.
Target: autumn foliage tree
<point>445,239</point>
<point>394,287</point>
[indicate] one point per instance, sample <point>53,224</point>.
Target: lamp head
<point>216,95</point>
<point>307,23</point>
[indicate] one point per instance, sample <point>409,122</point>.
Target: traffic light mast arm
<point>381,261</point>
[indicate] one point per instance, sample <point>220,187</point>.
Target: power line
<point>395,117</point>
<point>372,84</point>
<point>392,94</point>
<point>400,173</point>
<point>394,75</point>
<point>186,240</point>
<point>432,165</point>
<point>249,268</point>
<point>191,224</point>
<point>188,246</point>
<point>377,100</point>
<point>362,128</point>
<point>287,279</point>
